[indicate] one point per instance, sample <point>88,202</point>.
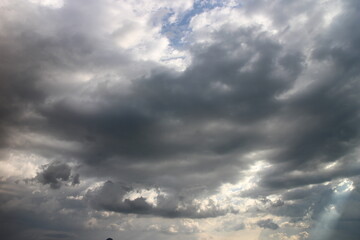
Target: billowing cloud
<point>55,174</point>
<point>267,223</point>
<point>123,199</point>
<point>154,119</point>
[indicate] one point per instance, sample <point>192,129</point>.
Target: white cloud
<point>216,124</point>
<point>20,165</point>
<point>49,3</point>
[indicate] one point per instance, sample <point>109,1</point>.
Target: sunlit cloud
<point>193,119</point>
<point>324,226</point>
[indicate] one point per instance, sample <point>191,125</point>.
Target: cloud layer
<point>151,120</point>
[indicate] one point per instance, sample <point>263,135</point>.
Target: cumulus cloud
<point>55,174</point>
<point>124,199</point>
<point>178,110</point>
<point>267,223</point>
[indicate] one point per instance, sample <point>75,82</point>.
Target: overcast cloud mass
<point>190,119</point>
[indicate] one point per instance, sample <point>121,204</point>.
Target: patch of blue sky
<point>175,31</point>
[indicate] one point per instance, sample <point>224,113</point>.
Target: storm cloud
<point>153,119</point>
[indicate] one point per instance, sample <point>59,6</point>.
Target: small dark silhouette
<point>109,239</point>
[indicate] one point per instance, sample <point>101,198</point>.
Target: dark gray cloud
<point>71,91</point>
<point>143,128</point>
<point>58,236</point>
<point>29,215</point>
<point>267,223</point>
<point>113,197</point>
<point>56,174</point>
<point>75,179</point>
<point>225,86</point>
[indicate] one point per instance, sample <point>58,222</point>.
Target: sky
<point>172,120</point>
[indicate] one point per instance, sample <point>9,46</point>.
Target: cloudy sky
<point>172,120</point>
